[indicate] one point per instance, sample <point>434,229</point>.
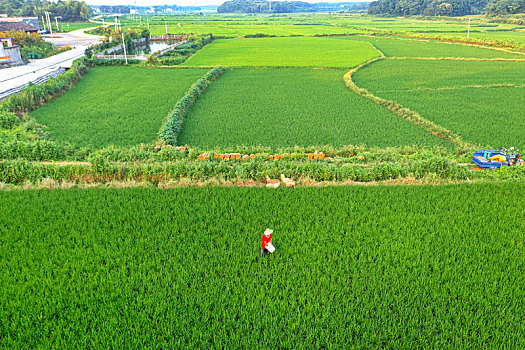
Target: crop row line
<point>172,127</point>
<point>490,86</point>
<point>405,113</point>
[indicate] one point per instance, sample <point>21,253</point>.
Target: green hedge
<point>171,129</point>
<point>182,52</point>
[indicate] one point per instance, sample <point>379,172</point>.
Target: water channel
<point>150,48</point>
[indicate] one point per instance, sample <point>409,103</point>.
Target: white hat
<point>268,231</point>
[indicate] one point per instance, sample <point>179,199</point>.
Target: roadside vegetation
<point>33,44</point>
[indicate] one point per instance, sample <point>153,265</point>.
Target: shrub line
<point>19,172</point>
<point>405,113</point>
<point>172,127</point>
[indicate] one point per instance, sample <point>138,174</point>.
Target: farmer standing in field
<point>267,246</point>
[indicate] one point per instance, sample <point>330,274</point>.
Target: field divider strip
<point>446,88</point>
<point>172,127</point>
<point>405,113</point>
<point>380,52</point>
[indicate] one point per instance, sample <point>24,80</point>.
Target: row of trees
<point>70,10</point>
<point>263,6</point>
<point>382,7</point>
<point>505,7</point>
<point>445,7</point>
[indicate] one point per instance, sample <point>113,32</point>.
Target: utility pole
<point>148,22</point>
<point>50,27</point>
<point>124,46</point>
<point>468,28</point>
<point>270,6</point>
<point>166,27</point>
<point>44,22</point>
<point>56,20</point>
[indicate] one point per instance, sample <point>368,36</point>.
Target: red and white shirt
<point>265,240</point>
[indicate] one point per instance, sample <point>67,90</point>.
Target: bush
<point>182,52</point>
<point>173,125</point>
<point>8,120</point>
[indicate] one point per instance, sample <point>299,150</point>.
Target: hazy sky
<point>177,2</point>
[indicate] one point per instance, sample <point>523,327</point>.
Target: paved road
<point>17,76</point>
<point>74,38</point>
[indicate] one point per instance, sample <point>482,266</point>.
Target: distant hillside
<point>263,6</point>
<point>445,7</point>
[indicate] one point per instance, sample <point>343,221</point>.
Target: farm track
<point>88,164</point>
<point>64,163</point>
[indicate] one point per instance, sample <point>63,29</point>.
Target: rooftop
<point>7,26</point>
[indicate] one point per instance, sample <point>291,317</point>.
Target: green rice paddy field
<point>481,101</point>
<point>399,47</point>
<point>355,267</point>
<point>299,106</point>
<point>320,24</point>
<point>283,52</point>
<point>71,26</point>
<point>289,107</point>
<point>394,267</point>
<point>121,106</point>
